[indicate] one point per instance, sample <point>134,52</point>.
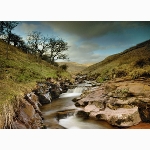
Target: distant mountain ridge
<point>133,62</point>
<point>74,67</point>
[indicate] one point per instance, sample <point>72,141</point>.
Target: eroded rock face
<point>55,91</point>
<point>28,114</point>
<point>137,94</point>
<point>43,93</point>
<point>120,102</point>
<point>48,91</point>
<point>121,117</point>
<point>82,114</point>
<point>45,98</point>
<point>18,125</point>
<point>144,109</point>
<point>65,113</point>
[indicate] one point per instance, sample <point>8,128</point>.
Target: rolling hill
<point>74,67</point>
<point>20,72</point>
<point>132,63</point>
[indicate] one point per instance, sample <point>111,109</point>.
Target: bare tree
<point>43,46</point>
<point>56,47</point>
<point>34,41</point>
<point>47,48</point>
<point>38,43</point>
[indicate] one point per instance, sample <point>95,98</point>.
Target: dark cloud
<point>92,41</point>
<point>85,52</point>
<point>28,27</point>
<point>93,29</point>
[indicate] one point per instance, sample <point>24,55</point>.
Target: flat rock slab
<point>121,117</point>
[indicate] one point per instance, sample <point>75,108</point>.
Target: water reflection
<point>72,122</point>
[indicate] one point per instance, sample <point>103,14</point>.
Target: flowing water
<point>64,102</point>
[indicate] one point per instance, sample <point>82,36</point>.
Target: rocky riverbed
<point>121,102</point>
<point>25,111</point>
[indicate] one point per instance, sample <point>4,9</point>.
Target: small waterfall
<point>76,90</point>
<point>79,89</point>
<point>70,90</point>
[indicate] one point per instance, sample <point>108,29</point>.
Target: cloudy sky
<point>90,41</point>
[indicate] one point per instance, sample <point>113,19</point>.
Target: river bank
<point>63,114</point>
<point>24,111</point>
<point>118,103</point>
<point>121,102</point>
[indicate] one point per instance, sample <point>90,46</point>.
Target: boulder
<point>144,109</point>
<point>55,91</point>
<point>64,114</point>
<point>45,98</point>
<point>82,114</point>
<point>28,116</point>
<point>120,102</point>
<point>121,117</point>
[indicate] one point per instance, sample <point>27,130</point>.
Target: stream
<point>71,121</point>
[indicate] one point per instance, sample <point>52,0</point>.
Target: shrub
<point>140,63</point>
<point>64,67</point>
<point>140,73</point>
<point>100,79</point>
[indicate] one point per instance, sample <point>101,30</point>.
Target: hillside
<point>20,72</point>
<point>74,67</point>
<point>133,63</point>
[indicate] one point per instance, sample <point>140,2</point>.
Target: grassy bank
<point>20,72</point>
<point>132,63</point>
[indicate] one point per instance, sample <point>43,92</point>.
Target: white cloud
<point>84,53</point>
<point>26,28</point>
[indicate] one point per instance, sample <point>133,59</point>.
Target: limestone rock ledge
<point>120,102</point>
<point>120,117</point>
<point>23,113</point>
<point>28,115</point>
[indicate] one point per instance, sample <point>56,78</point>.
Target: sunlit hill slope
<point>20,72</point>
<point>133,63</point>
<point>74,67</point>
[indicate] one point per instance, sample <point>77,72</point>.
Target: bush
<point>140,73</point>
<point>99,80</point>
<point>121,73</point>
<point>64,67</point>
<point>56,64</point>
<point>140,63</point>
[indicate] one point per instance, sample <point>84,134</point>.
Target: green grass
<point>20,72</point>
<point>133,63</point>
